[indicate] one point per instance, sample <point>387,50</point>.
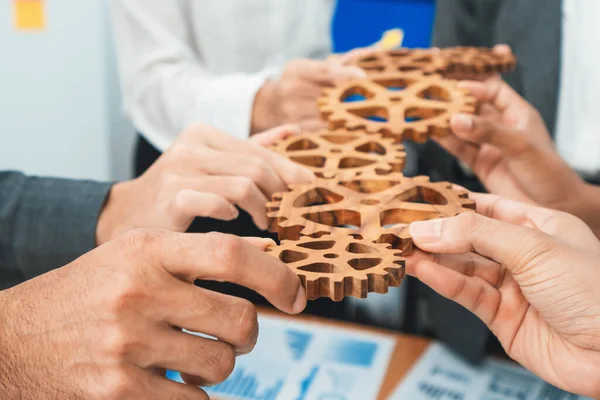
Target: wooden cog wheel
<point>340,152</point>
<point>478,60</point>
<point>379,208</point>
<point>341,266</point>
<point>402,60</point>
<point>403,105</point>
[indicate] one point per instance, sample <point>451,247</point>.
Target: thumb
<point>482,130</point>
<point>502,49</point>
<point>343,73</point>
<point>270,137</point>
<point>355,55</point>
<point>515,247</point>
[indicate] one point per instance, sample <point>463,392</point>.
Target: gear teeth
<point>357,211</point>
<point>291,221</point>
<point>326,266</point>
<point>324,152</point>
<point>339,115</point>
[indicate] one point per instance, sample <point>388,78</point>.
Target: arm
<point>166,87</point>
<point>45,223</point>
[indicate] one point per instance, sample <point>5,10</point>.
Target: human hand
<point>509,149</point>
<point>107,325</point>
<point>204,174</point>
<point>531,274</point>
<point>273,135</point>
<point>292,99</point>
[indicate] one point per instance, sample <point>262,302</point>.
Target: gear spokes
<point>341,266</point>
<point>340,152</point>
<point>400,105</point>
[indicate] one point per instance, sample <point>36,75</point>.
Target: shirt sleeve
<point>165,84</point>
<point>45,223</point>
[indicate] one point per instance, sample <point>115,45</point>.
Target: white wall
<point>59,99</point>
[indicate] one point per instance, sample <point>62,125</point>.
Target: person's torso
<point>250,35</point>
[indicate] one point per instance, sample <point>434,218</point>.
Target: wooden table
<point>407,352</point>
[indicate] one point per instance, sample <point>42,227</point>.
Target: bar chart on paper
<point>306,362</point>
<point>245,385</point>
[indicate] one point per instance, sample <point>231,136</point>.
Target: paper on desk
<point>441,375</point>
<point>304,361</point>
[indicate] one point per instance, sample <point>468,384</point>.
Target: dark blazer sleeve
<point>45,223</point>
<point>464,23</point>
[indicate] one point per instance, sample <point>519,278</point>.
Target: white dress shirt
<point>578,126</point>
<point>186,61</point>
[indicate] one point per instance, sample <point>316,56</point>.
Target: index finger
<point>289,171</point>
<point>325,73</point>
<point>227,258</point>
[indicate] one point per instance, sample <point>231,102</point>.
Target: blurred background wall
<point>59,95</point>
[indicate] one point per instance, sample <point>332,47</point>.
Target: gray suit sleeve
<point>464,23</point>
<point>45,223</point>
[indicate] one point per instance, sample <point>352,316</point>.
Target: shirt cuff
<point>230,105</point>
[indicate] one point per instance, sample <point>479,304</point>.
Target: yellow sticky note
<point>29,15</point>
<point>391,39</point>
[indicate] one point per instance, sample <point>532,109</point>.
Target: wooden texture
<point>337,267</point>
<point>402,60</point>
<point>401,105</point>
<point>333,153</point>
<point>378,208</point>
<point>479,60</point>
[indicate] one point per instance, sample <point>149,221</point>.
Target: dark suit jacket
<point>45,223</point>
<point>533,29</point>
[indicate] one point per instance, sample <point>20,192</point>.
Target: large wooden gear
<point>378,208</point>
<point>341,266</point>
<point>331,153</point>
<point>402,105</point>
<point>451,60</point>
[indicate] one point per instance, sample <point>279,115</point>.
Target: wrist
<point>265,111</point>
<point>585,204</point>
<point>108,225</point>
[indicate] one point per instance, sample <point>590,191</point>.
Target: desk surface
<point>408,348</point>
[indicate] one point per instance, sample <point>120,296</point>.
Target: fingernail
<point>462,121</point>
<point>268,242</point>
<point>234,213</point>
<point>427,231</point>
<point>262,224</point>
<point>339,72</point>
<point>356,72</point>
<point>295,129</point>
<point>300,302</point>
<point>304,175</point>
